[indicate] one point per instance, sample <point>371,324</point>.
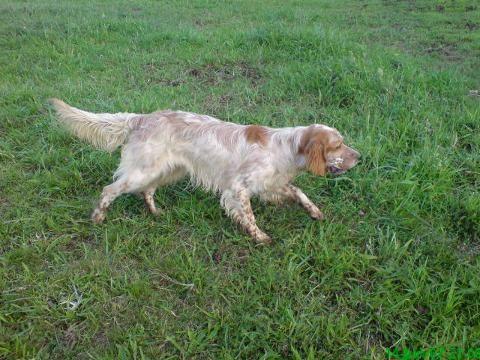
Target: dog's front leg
<point>237,204</point>
<point>297,195</point>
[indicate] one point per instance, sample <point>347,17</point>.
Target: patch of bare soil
<point>214,74</point>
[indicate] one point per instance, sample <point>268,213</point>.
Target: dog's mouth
<point>334,170</point>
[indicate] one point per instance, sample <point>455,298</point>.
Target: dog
<point>237,161</point>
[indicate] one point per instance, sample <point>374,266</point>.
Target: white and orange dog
<point>238,161</point>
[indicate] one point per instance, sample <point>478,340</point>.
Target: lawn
<point>395,266</point>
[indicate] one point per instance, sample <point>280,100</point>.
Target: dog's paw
<point>156,212</point>
<point>263,239</point>
<point>316,214</point>
<point>98,216</point>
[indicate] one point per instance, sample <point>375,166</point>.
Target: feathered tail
<point>105,131</point>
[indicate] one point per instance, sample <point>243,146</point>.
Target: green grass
<point>394,266</point>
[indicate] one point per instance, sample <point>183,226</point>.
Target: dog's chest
<point>278,180</point>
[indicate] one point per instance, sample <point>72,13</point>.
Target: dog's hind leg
<point>109,193</point>
<point>149,201</point>
<point>167,178</point>
<point>135,181</point>
<point>125,184</point>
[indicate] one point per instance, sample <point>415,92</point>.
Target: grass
<point>395,265</point>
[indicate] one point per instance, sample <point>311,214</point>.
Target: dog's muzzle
<point>334,170</point>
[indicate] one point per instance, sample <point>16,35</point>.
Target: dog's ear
<point>314,152</point>
<point>312,146</point>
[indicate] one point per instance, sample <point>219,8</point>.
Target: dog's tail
<point>105,131</point>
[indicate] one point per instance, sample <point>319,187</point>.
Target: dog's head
<point>325,151</point>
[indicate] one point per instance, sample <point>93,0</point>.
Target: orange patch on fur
<point>316,158</point>
<point>313,145</point>
<point>256,134</point>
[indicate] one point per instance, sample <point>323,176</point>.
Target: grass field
<point>395,265</point>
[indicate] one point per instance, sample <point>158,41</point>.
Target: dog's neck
<point>286,142</point>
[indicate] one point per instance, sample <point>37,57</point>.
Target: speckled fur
<point>237,161</point>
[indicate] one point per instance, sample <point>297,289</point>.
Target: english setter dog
<point>238,161</point>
